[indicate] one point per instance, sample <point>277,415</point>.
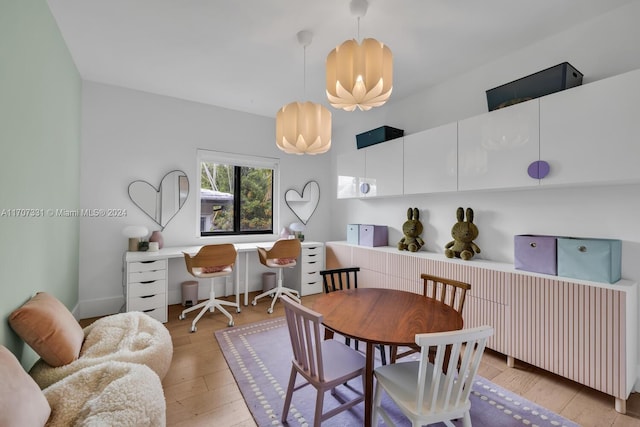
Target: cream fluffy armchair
<point>107,374</point>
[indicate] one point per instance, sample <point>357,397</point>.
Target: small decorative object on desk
<point>412,229</point>
<point>298,230</point>
<point>143,246</point>
<point>156,236</point>
<point>134,233</point>
<point>463,233</point>
<point>285,233</point>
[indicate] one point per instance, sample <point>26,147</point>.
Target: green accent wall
<point>40,122</point>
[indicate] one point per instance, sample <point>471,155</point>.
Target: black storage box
<point>375,136</point>
<point>554,79</point>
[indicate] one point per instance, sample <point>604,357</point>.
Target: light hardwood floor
<point>200,389</point>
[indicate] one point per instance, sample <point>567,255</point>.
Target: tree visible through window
<point>234,198</point>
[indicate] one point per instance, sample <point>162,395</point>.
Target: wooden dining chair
<point>338,279</point>
<point>450,292</point>
<point>422,390</point>
<point>324,364</point>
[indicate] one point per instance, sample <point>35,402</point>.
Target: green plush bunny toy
<point>412,229</point>
<point>463,233</point>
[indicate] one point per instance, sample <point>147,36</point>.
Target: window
<point>236,194</point>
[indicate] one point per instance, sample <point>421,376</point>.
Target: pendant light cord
<point>304,73</point>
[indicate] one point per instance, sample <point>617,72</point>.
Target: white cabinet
<point>374,171</point>
<point>351,169</point>
<point>305,276</point>
<point>383,170</point>
<point>495,149</point>
<point>147,288</point>
<point>431,160</point>
<point>590,134</point>
<point>581,330</point>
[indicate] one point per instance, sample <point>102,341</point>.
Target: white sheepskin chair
<point>108,394</point>
<point>125,337</point>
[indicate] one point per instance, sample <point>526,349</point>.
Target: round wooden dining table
<point>383,316</point>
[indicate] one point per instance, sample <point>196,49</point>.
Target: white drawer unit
<point>147,288</point>
<point>305,276</point>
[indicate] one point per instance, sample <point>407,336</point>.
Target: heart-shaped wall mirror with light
<point>305,204</point>
<point>163,203</point>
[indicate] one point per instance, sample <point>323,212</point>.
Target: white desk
<point>150,271</point>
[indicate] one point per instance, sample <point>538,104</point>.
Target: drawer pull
<point>147,262</point>
<point>148,296</point>
<point>149,311</point>
<point>582,248</point>
<point>148,281</point>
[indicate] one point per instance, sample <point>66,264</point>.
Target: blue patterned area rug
<point>259,355</point>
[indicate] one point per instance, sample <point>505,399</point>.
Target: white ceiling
<point>244,55</point>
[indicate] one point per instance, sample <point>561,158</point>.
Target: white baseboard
<point>100,307</point>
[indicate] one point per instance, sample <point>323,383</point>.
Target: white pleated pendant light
<point>359,74</point>
<point>303,127</point>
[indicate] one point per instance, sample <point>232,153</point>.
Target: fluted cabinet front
<point>584,331</point>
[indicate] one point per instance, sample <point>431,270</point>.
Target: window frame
<point>241,160</point>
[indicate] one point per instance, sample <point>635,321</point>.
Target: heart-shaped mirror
<point>163,203</point>
<point>303,206</point>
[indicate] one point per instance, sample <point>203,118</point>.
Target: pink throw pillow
<point>215,269</point>
<point>22,403</point>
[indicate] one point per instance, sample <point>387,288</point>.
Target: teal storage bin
<point>597,260</point>
<point>353,234</point>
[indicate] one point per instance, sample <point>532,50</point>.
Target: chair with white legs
<point>324,364</point>
<point>210,262</point>
<point>283,254</point>
<point>421,389</point>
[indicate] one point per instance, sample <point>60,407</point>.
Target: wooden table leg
<point>368,384</point>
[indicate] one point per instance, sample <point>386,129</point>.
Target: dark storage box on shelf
<point>596,260</point>
<point>553,79</point>
<point>536,253</point>
<point>378,135</point>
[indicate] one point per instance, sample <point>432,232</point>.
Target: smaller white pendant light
<point>359,74</point>
<point>303,127</point>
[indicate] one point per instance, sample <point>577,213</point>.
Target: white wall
<point>601,48</point>
<point>130,135</point>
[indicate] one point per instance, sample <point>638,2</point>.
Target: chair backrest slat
<point>340,278</point>
<point>450,292</point>
<point>306,341</point>
<point>451,389</point>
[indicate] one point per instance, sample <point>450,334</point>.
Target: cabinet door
<point>495,149</point>
<point>351,171</point>
<point>384,169</point>
<point>590,133</point>
<point>431,160</point>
